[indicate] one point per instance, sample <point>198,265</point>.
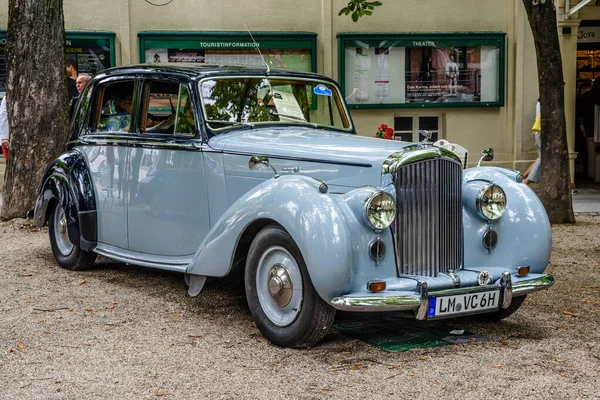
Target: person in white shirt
<point>4,135</point>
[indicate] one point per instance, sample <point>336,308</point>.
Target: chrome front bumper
<point>419,301</point>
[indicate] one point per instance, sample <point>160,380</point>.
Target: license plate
<point>463,304</point>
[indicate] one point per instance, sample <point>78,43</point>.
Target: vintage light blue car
<point>207,170</point>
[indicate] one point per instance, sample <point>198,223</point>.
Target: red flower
<point>384,132</point>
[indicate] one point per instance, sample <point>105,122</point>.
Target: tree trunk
<point>555,191</point>
<point>36,98</point>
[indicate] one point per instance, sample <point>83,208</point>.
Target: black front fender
<point>68,181</point>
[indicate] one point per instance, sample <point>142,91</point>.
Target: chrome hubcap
<point>61,232</point>
<point>279,285</point>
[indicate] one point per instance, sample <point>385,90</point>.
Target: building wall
<point>506,129</point>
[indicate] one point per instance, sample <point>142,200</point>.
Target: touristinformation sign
<point>284,50</point>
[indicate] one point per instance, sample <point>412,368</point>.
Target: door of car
<point>105,145</point>
<point>168,198</point>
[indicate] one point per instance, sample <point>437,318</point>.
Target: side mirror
<point>486,155</point>
<point>261,160</point>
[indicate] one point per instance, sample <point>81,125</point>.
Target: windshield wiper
<point>297,118</point>
<point>294,117</point>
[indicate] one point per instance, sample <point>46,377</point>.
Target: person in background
<point>71,77</point>
<point>4,134</point>
<point>427,69</point>
<point>80,83</point>
<point>532,174</point>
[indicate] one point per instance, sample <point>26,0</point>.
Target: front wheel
<point>67,255</point>
<point>282,299</point>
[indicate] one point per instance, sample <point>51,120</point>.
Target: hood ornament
<point>426,135</point>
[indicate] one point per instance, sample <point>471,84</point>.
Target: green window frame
<point>406,70</point>
<point>293,50</point>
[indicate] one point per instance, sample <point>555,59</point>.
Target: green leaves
<point>359,8</point>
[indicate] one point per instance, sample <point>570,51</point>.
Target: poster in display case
<point>88,52</point>
<point>424,70</point>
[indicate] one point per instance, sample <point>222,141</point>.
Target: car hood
<point>337,158</point>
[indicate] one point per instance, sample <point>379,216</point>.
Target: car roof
<point>199,71</point>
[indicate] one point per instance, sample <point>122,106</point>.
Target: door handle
<point>295,170</point>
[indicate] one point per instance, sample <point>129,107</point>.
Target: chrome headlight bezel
<point>491,202</point>
<point>380,210</point>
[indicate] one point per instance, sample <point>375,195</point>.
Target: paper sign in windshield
<point>322,90</point>
<point>287,106</point>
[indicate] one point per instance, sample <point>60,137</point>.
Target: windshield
<point>240,101</point>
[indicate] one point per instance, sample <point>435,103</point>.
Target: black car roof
<point>199,71</point>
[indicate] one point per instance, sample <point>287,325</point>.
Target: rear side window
<point>168,109</point>
<point>113,107</point>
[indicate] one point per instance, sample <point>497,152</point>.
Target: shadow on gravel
<point>219,295</point>
<point>225,297</point>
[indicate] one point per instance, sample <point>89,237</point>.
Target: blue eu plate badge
<point>431,309</point>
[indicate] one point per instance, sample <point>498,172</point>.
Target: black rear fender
<point>68,181</point>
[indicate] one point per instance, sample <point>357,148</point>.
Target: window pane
<point>428,123</point>
<point>185,123</point>
<point>403,124</point>
<point>160,109</point>
<point>115,111</point>
<point>405,136</point>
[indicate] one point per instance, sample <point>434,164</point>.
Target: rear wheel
<point>67,255</point>
<point>283,302</point>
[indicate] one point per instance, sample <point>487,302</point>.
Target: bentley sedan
<point>211,170</point>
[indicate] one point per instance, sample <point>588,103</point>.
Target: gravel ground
<point>118,331</point>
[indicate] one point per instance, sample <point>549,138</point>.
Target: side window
<point>185,123</point>
<point>113,107</point>
<point>159,107</point>
<point>168,109</point>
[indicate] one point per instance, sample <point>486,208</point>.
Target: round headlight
<point>380,210</point>
<point>491,202</point>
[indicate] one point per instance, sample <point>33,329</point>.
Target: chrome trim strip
<point>178,264</point>
<point>525,287</point>
<point>377,303</point>
<point>315,160</point>
<point>467,290</point>
<point>506,283</point>
<point>455,278</point>
<point>424,303</point>
<point>414,153</point>
<point>152,142</point>
<point>387,301</point>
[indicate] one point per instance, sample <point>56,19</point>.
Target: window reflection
<point>232,102</point>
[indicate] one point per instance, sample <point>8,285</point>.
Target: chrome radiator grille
<point>428,230</point>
